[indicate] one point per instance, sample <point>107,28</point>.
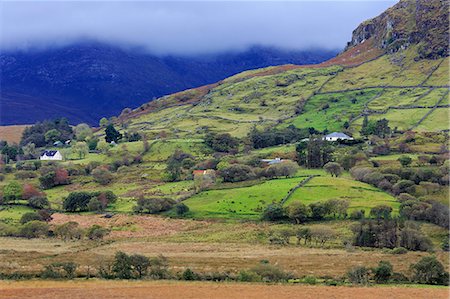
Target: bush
<point>248,276</point>
<point>383,272</point>
<point>399,250</point>
<point>77,201</point>
<point>68,231</point>
<point>30,216</point>
<point>102,175</point>
<point>59,270</point>
<point>270,273</point>
<point>429,271</point>
<point>153,205</point>
<point>39,202</point>
<point>273,212</point>
<point>13,191</point>
<point>34,229</point>
<point>237,173</point>
<point>96,232</point>
<point>181,209</point>
<point>310,280</point>
<point>358,275</point>
<point>188,274</point>
<point>357,214</point>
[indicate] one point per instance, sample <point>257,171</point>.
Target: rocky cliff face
<point>410,22</point>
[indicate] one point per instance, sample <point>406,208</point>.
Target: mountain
<point>87,81</point>
<point>390,70</point>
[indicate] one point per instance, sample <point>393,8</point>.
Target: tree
<point>381,212</point>
<point>77,201</point>
<point>39,202</point>
<point>405,160</point>
<point>153,205</point>
<point>181,209</point>
<point>52,136</point>
<point>285,168</point>
<point>81,149</point>
<point>358,275</point>
<point>102,175</point>
<point>103,146</point>
<point>68,231</point>
<point>103,122</point>
<point>140,264</point>
<point>273,212</point>
<point>122,266</point>
<point>12,192</point>
<point>333,168</point>
<point>298,212</point>
<point>429,271</point>
<point>29,151</point>
<point>112,134</point>
<point>82,132</point>
<point>305,234</point>
<point>383,272</point>
<point>221,142</point>
<point>237,173</point>
<point>30,191</point>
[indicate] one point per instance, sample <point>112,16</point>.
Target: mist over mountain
<point>87,81</point>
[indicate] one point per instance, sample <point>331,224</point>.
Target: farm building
<point>51,155</point>
<point>274,161</point>
<point>335,136</point>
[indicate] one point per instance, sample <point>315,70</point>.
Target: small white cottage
<point>51,155</point>
<point>335,136</point>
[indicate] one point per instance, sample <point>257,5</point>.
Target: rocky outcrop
<point>423,23</point>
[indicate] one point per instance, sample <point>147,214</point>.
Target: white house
<point>335,136</point>
<point>51,155</point>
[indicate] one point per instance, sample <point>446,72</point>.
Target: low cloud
<point>185,27</point>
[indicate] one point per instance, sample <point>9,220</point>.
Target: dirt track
<point>184,290</point>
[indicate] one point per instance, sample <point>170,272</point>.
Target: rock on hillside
<point>409,22</point>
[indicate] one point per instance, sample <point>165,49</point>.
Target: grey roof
<point>49,153</point>
<point>338,135</point>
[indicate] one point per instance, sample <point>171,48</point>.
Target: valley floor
<point>186,290</point>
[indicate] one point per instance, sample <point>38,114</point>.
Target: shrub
<point>94,205</point>
<point>383,272</point>
<point>357,214</point>
<point>12,191</point>
<point>270,273</point>
<point>298,212</point>
<point>122,266</point>
<point>68,231</point>
<point>102,175</point>
<point>153,205</point>
<point>310,280</point>
<point>77,201</point>
<point>39,202</point>
<point>399,250</point>
<point>188,274</point>
<point>96,232</point>
<point>273,212</point>
<point>248,276</point>
<point>358,275</point>
<point>60,270</point>
<point>237,173</point>
<point>429,271</point>
<point>23,175</point>
<point>333,168</point>
<point>34,229</point>
<point>30,216</point>
<point>181,209</point>
<point>381,212</point>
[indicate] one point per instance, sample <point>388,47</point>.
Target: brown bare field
<point>187,290</point>
<point>12,134</point>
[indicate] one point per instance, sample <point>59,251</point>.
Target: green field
<point>239,203</point>
<point>360,195</point>
<point>331,111</point>
<point>402,119</point>
<point>438,120</point>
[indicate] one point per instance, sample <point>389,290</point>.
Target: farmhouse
<point>51,155</point>
<point>274,161</point>
<point>335,136</point>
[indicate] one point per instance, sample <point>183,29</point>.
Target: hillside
<point>405,86</point>
<point>69,81</point>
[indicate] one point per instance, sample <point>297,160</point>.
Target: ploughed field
<point>186,290</point>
